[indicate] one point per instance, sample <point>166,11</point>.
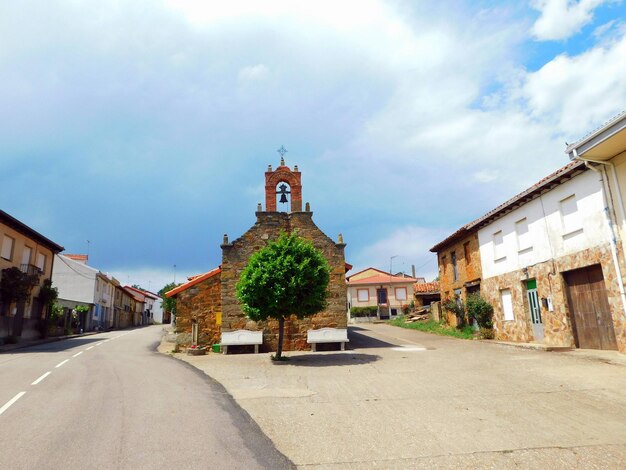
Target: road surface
<point>110,401</point>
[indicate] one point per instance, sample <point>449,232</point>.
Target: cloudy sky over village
<point>145,127</point>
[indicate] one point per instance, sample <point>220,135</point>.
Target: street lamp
<point>390,284</point>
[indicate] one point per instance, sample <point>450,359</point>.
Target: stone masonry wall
<point>201,302</point>
<point>468,269</point>
<point>550,283</point>
<point>235,257</point>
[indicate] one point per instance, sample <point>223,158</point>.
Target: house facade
<point>82,285</point>
<point>549,264</point>
<point>373,287</point>
<point>604,151</point>
<point>33,254</point>
<point>460,270</point>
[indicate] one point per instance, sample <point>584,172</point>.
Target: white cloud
<point>485,176</point>
<point>253,73</point>
<point>408,245</point>
<point>561,19</point>
<point>575,94</point>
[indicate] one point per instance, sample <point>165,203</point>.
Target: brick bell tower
<point>283,174</point>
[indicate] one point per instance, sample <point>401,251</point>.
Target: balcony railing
<point>31,270</point>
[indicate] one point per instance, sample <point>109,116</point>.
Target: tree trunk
<point>281,327</point>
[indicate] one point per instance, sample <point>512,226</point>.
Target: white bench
<point>241,338</point>
<point>327,335</point>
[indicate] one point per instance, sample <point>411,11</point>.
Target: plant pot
<point>216,348</point>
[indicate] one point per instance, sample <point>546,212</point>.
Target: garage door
<point>589,307</point>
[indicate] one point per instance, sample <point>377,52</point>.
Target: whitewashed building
<point>549,263</point>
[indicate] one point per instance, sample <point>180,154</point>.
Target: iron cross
<point>282,150</point>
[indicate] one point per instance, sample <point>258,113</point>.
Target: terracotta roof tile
<point>193,281</point>
<point>426,287</point>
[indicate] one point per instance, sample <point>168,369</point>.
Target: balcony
<point>31,270</point>
<point>33,273</point>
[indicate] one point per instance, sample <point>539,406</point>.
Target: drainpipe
<point>602,172</point>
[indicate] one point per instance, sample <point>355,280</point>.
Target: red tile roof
<point>76,257</point>
<point>193,280</point>
<point>426,287</point>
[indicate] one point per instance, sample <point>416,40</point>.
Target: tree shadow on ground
<point>346,358</point>
<point>361,341</point>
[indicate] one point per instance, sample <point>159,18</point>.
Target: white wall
<point>551,233</point>
<point>75,281</point>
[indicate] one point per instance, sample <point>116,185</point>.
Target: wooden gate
<point>589,308</point>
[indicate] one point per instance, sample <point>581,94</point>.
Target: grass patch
<point>432,326</point>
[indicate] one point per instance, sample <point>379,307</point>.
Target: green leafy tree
<point>169,304</point>
<point>286,277</point>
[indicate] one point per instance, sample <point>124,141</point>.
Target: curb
<point>27,344</point>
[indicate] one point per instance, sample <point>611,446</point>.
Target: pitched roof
<point>426,287</point>
<point>383,279</point>
<point>366,269</point>
<point>84,258</point>
<point>545,184</point>
<point>21,227</point>
<point>193,280</point>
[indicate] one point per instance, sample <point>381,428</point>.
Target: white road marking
<point>41,378</point>
<point>77,354</point>
<point>98,344</point>
<point>61,363</point>
<point>11,401</point>
<point>90,347</point>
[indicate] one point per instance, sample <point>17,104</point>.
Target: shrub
<point>358,312</point>
<point>487,333</point>
<point>480,310</point>
<point>458,309</point>
<point>405,309</point>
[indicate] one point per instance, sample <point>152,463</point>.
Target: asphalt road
<point>110,401</point>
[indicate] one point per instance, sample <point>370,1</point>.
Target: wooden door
<point>589,307</point>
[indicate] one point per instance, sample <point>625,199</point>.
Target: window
<point>26,255</point>
<point>524,241</point>
<point>7,247</point>
<point>41,261</point>
<point>570,217</point>
<point>507,304</point>
<point>467,253</point>
<point>498,246</point>
<point>400,293</point>
<point>363,295</point>
<point>457,297</point>
<point>455,272</point>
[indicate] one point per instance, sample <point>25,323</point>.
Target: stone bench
<point>327,335</point>
<point>241,338</point>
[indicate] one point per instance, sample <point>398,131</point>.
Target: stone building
<point>550,265</point>
<point>460,270</point>
<point>210,299</point>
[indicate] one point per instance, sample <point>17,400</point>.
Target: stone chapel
<point>209,299</point>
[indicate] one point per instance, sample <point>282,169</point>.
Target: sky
<point>145,127</point>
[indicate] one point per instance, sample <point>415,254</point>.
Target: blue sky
<point>146,126</point>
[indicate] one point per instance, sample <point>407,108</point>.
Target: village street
<point>110,401</point>
<point>404,399</point>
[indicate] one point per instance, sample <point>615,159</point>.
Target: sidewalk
<point>35,342</point>
<point>405,399</point>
